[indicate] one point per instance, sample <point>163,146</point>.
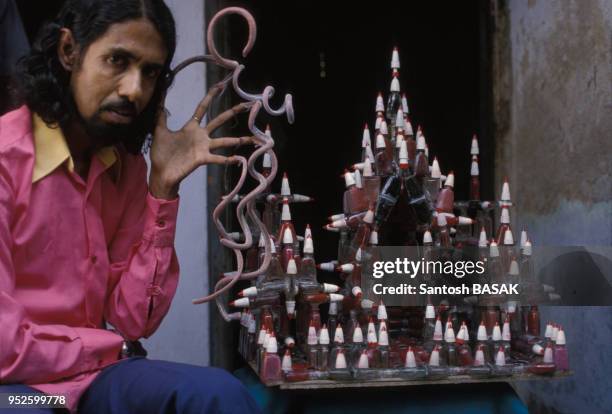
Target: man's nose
<point>130,87</point>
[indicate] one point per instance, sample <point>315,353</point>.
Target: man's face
<point>116,79</point>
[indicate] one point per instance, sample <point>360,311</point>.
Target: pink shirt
<point>74,254</point>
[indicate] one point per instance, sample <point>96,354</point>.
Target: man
<point>83,239</point>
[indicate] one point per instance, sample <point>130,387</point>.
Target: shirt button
<point>94,259</point>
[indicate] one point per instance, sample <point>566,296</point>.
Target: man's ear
<point>67,49</point>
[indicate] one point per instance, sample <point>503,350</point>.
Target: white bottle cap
<point>399,118</point>
<point>289,342</point>
<point>262,337</point>
<point>493,249</point>
<point>527,248</point>
<point>421,143</point>
<point>380,105</point>
<point>430,312</point>
<point>349,179</point>
<point>380,141</point>
<point>357,335</point>
<point>308,246</point>
<point>249,292</point>
<point>505,216</point>
<point>464,221</point>
<point>466,333</point>
<point>383,127</point>
<point>427,238</point>
<point>240,303</point>
<point>339,335</point>
<point>272,345</point>
<point>399,138</point>
<point>378,121</point>
<point>449,335</point>
<point>434,359</point>
<point>369,153</point>
<point>408,131</point>
<point>363,363</point>
<point>286,364</point>
<point>561,337</point>
<point>548,355</point>
<point>382,312</point>
<point>482,241</point>
<point>324,336</point>
<point>357,292</point>
<point>508,238</point>
<point>474,150</point>
<point>267,160</point>
<point>395,85</point>
<point>438,336</point>
<point>383,335</point>
<point>357,175</point>
<point>442,220</point>
<point>524,238</point>
<point>335,297</point>
<point>405,104</point>
<point>474,171</point>
<point>346,267</point>
<point>395,61</point>
<point>333,308</point>
<point>290,306</point>
<point>286,212</point>
<point>403,155</point>
<point>285,190</point>
<point>367,168</point>
<point>479,359</point>
<point>366,304</point>
<point>555,333</point>
<point>435,169</point>
<point>372,333</point>
<point>330,288</point>
<point>496,333</point>
<point>549,330</point>
<point>374,237</point>
<point>272,246</point>
<point>500,358</point>
<point>312,335</point>
<point>340,360</point>
<point>291,267</point>
<point>450,179</point>
<point>327,266</point>
<point>410,359</point>
<point>506,332</point>
<point>365,140</point>
<point>505,195</point>
<point>481,335</point>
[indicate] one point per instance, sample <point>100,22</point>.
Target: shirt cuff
<point>101,347</point>
<point>160,220</point>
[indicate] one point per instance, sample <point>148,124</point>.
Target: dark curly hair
<point>43,81</point>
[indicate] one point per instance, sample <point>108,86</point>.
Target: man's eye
<point>151,73</point>
<point>116,60</point>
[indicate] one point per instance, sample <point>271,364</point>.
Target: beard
<point>103,133</point>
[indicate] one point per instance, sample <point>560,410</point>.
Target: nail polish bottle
<point>338,343</point>
<point>354,200</point>
<point>561,356</point>
<point>287,363</point>
<point>271,367</point>
<point>382,161</point>
<point>483,341</point>
<point>323,350</point>
<point>383,346</point>
<point>312,349</point>
<point>446,197</point>
<point>357,345</point>
<point>474,179</point>
<point>533,321</point>
<point>365,142</point>
<point>372,347</point>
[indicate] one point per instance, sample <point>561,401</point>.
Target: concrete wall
<point>553,118</point>
<point>184,333</point>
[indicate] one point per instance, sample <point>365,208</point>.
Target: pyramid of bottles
<point>393,187</point>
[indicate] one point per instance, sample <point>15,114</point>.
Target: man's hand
<point>175,154</point>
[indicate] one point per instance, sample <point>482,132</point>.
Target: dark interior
<point>441,53</point>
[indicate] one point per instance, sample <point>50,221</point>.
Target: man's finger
<point>225,116</point>
<point>216,143</point>
<point>219,159</point>
<point>162,119</point>
<point>205,103</point>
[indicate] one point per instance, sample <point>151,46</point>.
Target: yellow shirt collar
<point>51,151</point>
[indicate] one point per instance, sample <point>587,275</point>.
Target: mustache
<point>123,107</point>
